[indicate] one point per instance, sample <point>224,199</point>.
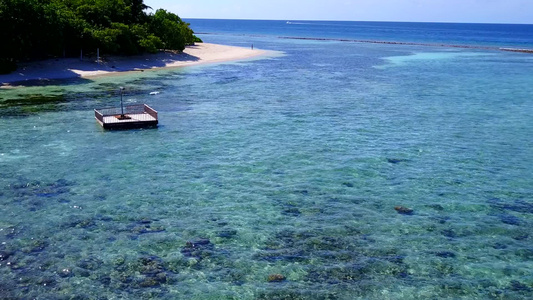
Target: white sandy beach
<point>68,68</point>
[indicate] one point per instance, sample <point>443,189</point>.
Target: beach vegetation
<point>39,29</point>
<point>170,28</point>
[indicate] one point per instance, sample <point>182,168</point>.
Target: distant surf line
<point>530,51</point>
<point>411,44</point>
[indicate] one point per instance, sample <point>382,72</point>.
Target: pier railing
<point>137,109</point>
<point>152,112</point>
<point>98,115</point>
<point>129,109</point>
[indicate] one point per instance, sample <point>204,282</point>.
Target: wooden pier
<point>127,117</point>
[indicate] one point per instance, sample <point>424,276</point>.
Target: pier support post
<point>121,105</point>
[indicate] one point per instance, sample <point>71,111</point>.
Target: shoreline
<point>39,72</point>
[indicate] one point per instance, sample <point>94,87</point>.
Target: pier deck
<point>135,116</point>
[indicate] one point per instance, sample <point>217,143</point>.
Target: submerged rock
<point>403,210</point>
<point>520,236</point>
<point>26,187</point>
<point>199,248</point>
<point>450,233</point>
<point>337,274</point>
<point>198,243</point>
<point>5,255</point>
<point>510,219</point>
<point>144,272</point>
<point>147,228</point>
<point>124,278</point>
<point>500,246</point>
<point>10,231</point>
<point>444,268</point>
<point>34,246</point>
<point>285,255</point>
<point>145,221</point>
<point>396,160</point>
<point>519,286</point>
<point>65,272</point>
<point>105,280</point>
<point>303,192</point>
<point>524,253</point>
<point>445,254</point>
<point>519,205</point>
<point>326,243</point>
<point>150,265</point>
<point>90,263</point>
<point>82,272</point>
<point>148,282</point>
<point>161,277</point>
<point>288,293</point>
<point>152,280</point>
<point>436,207</point>
<point>79,222</point>
<point>46,281</point>
<point>229,233</point>
<point>276,278</point>
<point>118,260</point>
<point>442,219</point>
<point>291,211</point>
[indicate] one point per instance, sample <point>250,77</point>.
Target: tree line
<point>38,29</point>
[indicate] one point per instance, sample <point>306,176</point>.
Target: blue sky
<point>469,11</point>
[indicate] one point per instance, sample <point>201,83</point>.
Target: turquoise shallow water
<point>290,165</point>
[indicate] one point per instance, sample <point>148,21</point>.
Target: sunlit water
<point>292,164</point>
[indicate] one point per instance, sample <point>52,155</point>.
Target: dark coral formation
<point>403,210</point>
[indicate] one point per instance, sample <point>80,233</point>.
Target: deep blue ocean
<point>334,167</point>
<point>473,35</point>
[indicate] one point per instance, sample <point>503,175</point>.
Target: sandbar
<point>39,72</point>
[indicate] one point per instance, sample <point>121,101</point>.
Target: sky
<point>459,11</point>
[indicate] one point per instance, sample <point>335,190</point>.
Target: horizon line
<point>325,20</point>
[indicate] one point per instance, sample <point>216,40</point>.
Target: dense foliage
<point>36,29</point>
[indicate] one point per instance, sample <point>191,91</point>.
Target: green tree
<point>136,11</point>
<point>36,29</point>
<point>167,26</point>
<point>146,40</point>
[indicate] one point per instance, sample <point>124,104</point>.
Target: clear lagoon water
<point>293,164</point>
